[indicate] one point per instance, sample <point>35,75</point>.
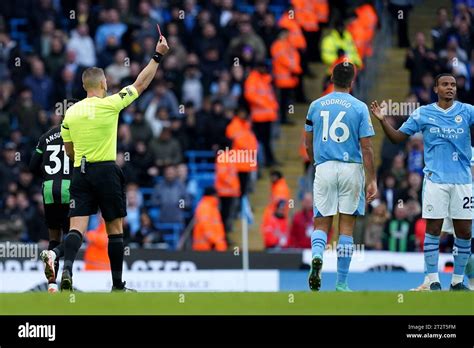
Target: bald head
<point>93,79</point>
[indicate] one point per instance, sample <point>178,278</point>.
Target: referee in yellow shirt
<point>89,131</point>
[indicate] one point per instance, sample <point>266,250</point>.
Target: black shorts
<point>57,216</point>
<point>101,186</point>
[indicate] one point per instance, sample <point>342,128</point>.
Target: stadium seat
<point>147,193</point>
<point>171,233</point>
<point>154,213</point>
<point>18,35</point>
<point>200,161</point>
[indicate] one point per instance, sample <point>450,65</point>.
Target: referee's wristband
<point>157,57</point>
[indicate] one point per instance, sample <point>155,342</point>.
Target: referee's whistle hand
<point>162,46</point>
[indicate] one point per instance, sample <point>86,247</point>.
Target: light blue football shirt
<point>338,121</point>
<point>447,141</point>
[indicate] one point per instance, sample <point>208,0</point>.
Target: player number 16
<point>331,130</point>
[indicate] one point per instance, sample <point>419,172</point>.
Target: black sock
<point>59,250</point>
<point>115,249</point>
<point>72,243</point>
<point>54,245</point>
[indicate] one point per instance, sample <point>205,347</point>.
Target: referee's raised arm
<point>148,73</point>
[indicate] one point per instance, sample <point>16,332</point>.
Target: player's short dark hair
<point>343,74</point>
<point>442,75</point>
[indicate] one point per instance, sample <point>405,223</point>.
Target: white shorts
<point>447,200</point>
<point>339,187</point>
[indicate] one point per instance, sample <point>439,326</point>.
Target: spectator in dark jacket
<point>9,167</point>
<point>140,129</point>
<point>11,223</point>
<point>442,30</point>
<point>420,60</point>
<point>166,150</point>
<point>171,197</point>
<point>40,84</point>
<point>142,160</point>
<point>390,192</point>
<point>216,126</point>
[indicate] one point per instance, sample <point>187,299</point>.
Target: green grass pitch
<point>247,303</point>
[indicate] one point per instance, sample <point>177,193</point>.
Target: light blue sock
<point>318,243</point>
<point>431,252</point>
<point>461,253</point>
<point>345,248</point>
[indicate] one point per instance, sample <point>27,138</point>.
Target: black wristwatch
<point>157,57</point>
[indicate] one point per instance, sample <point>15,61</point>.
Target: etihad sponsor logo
<point>446,132</point>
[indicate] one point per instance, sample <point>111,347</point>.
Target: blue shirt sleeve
<point>470,110</point>
<point>366,129</point>
<point>308,127</point>
<point>412,125</point>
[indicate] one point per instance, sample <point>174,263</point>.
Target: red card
<point>159,30</point>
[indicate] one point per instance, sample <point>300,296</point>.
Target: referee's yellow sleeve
<point>65,133</point>
<point>123,98</point>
